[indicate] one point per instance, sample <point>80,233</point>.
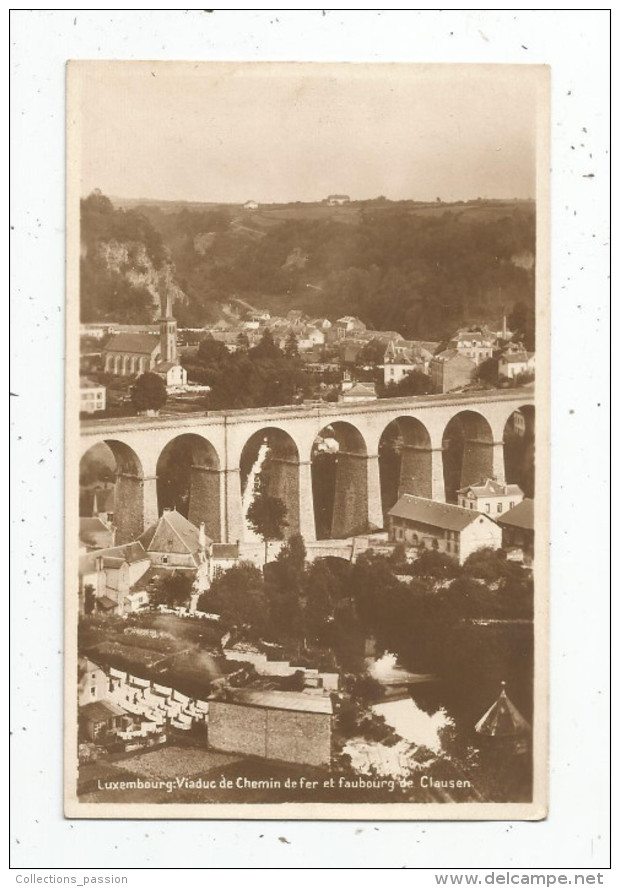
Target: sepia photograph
<point>307,419</point>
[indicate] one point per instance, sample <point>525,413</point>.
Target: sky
<point>275,133</point>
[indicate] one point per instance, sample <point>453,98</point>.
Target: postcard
<point>307,426</point>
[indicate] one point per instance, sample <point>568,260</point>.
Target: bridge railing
<point>322,409</point>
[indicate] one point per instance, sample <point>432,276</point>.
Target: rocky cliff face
<point>131,261</point>
<point>126,270</point>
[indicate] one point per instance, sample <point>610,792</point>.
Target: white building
<point>338,200</point>
<point>358,391</point>
<point>490,497</point>
<point>513,364</point>
<point>173,375</point>
<point>426,524</point>
<point>112,573</point>
<point>92,396</point>
<point>474,344</point>
<point>403,356</point>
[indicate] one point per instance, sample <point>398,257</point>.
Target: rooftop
<point>87,383</point>
<point>106,603</point>
<point>172,533</point>
<point>115,555</point>
<point>474,336</point>
<point>295,701</point>
<point>99,710</point>
<point>521,516</point>
<point>427,511</point>
<point>503,719</point>
<point>516,357</point>
<point>452,354</point>
<point>409,351</point>
<point>349,319</point>
<point>137,343</point>
<point>491,487</point>
<point>92,525</point>
<point>85,665</point>
<point>225,550</point>
<point>361,390</point>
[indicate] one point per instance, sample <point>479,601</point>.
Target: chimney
<point>202,537</point>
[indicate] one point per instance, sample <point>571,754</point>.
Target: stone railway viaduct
<point>220,444</point>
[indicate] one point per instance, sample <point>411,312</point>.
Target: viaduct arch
<point>218,449</point>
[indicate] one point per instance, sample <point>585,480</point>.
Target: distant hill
<point>419,268</point>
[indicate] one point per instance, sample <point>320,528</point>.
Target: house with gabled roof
<point>92,682</point>
<point>348,325</point>
<point>443,527</point>
<point>111,574</point>
<point>405,355</point>
<point>514,363</point>
<point>96,534</point>
<point>476,344</point>
<point>518,528</point>
<point>490,496</point>
<point>359,391</point>
<point>174,541</point>
<point>450,370</point>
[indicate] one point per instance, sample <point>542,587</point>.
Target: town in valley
<point>306,501</point>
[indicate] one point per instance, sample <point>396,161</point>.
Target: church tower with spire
<point>167,331</point>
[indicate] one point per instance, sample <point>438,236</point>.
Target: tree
<point>149,392</point>
<point>266,348</point>
<point>284,579</point>
<point>371,353</point>
<point>292,555</point>
<point>212,351</point>
<point>487,371</point>
<point>93,469</point>
<point>435,564</point>
<point>243,343</point>
<point>523,322</point>
<point>174,590</point>
<point>290,346</point>
<point>414,383</point>
<point>321,590</point>
<point>267,517</point>
<point>238,595</point>
<point>486,564</point>
<point>89,599</point>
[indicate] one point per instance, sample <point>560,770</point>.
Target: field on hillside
<point>420,268</point>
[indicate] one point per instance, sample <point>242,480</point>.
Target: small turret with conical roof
<point>503,725</point>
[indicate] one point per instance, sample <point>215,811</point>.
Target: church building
<point>131,354</point>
